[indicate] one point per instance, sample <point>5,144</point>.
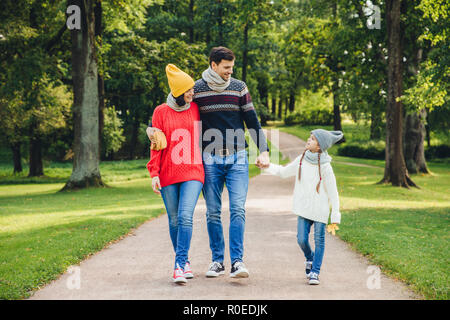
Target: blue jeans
<point>232,171</point>
<point>180,200</point>
<point>303,229</point>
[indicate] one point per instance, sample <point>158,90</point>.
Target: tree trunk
<point>337,122</point>
<point>101,83</point>
<point>336,106</point>
<point>264,97</point>
<point>291,102</point>
<point>280,107</point>
<point>274,105</point>
<point>414,142</point>
<point>17,157</point>
<point>245,54</point>
<point>36,167</point>
<point>85,172</point>
<point>427,129</point>
<point>191,21</point>
<point>220,24</point>
<point>134,137</point>
<point>286,103</point>
<point>395,167</point>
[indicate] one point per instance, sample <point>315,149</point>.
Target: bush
<point>437,152</point>
<point>112,134</point>
<point>310,117</point>
<point>367,150</point>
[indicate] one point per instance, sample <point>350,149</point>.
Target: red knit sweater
<point>182,159</point>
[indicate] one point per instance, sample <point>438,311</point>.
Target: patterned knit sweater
<point>229,109</point>
<point>181,160</point>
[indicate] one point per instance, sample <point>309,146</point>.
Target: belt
<point>226,152</point>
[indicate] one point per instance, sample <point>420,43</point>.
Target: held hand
<point>156,185</point>
<point>332,228</point>
<point>263,160</point>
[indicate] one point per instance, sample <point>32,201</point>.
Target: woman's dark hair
<point>219,53</point>
<point>180,100</point>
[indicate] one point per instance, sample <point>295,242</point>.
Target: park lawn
<point>43,231</point>
<point>404,231</point>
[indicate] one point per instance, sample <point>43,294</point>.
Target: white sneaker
<point>238,270</point>
<point>188,271</point>
<point>215,269</point>
<point>178,276</point>
<point>314,278</point>
<point>308,267</point>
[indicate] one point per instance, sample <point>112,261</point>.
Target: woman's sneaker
<point>215,269</point>
<point>308,267</point>
<point>188,271</point>
<point>314,278</point>
<point>238,270</point>
<point>178,276</point>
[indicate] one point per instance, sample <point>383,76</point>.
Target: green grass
<point>43,231</point>
<point>404,231</point>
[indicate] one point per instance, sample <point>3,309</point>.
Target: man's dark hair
<point>219,53</point>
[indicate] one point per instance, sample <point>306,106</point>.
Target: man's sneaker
<point>215,269</point>
<point>238,270</point>
<point>178,276</point>
<point>314,278</point>
<point>188,271</point>
<point>308,267</point>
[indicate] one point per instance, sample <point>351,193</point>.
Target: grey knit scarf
<point>215,81</point>
<point>313,157</point>
<point>173,104</point>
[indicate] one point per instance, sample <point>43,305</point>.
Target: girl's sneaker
<point>188,271</point>
<point>178,276</point>
<point>314,278</point>
<point>308,268</point>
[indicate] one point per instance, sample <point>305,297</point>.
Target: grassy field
<point>405,232</point>
<point>43,231</point>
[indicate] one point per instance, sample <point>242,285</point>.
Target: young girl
<point>315,187</point>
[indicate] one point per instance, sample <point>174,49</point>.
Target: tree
<point>34,97</point>
<point>395,168</point>
<point>427,96</point>
<point>86,171</point>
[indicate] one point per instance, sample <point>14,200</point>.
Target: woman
<point>177,170</point>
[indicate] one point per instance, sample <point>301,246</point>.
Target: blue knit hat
<point>327,138</point>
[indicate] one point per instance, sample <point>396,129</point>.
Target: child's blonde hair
<point>300,169</point>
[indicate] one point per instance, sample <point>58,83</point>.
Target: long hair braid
<point>300,166</point>
<point>320,175</point>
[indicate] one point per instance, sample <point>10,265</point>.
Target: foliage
<point>436,152</point>
<point>370,150</point>
<point>319,116</point>
<point>112,131</point>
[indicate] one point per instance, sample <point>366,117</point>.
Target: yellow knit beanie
<point>179,81</point>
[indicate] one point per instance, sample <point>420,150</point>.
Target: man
<point>225,106</point>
